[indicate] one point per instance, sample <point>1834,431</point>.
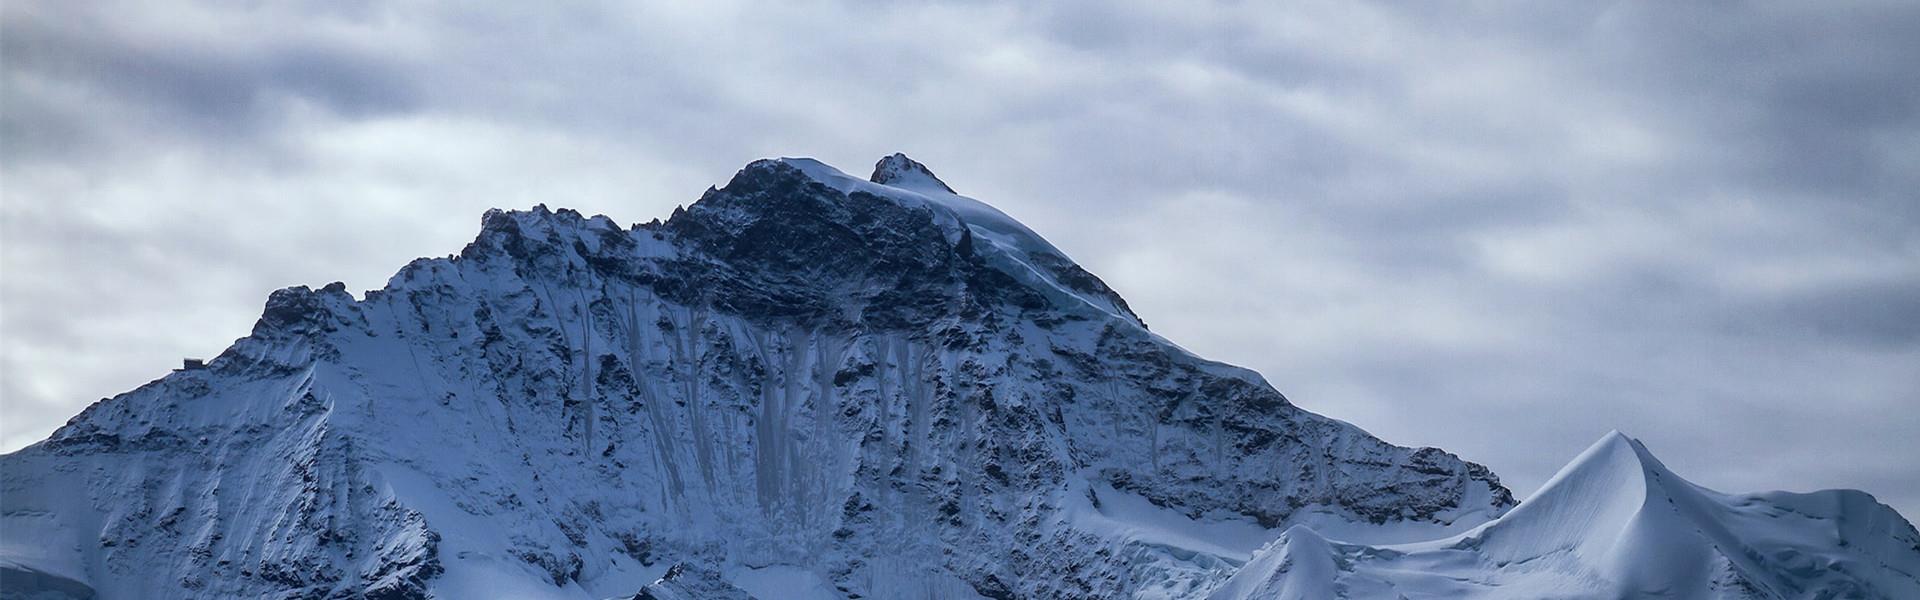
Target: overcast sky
<point>1499,232</point>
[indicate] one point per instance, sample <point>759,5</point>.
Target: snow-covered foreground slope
<point>805,385</point>
<point>1615,523</point>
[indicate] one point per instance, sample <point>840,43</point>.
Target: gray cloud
<point>1501,232</point>
<point>72,65</point>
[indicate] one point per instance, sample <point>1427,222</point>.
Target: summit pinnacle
<point>902,172</point>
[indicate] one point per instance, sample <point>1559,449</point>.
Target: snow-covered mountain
<point>804,385</point>
<point>1615,523</point>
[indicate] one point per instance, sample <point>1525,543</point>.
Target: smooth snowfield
<point>1615,523</point>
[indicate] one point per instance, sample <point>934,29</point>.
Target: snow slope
<point>1615,523</point>
<point>802,382</point>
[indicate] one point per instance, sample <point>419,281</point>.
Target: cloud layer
<point>1501,233</point>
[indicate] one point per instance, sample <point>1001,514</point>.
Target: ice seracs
<point>1616,523</point>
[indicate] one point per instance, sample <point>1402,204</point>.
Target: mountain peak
<point>902,172</point>
<point>904,182</point>
<point>1616,463</point>
<point>1299,565</point>
<point>804,380</point>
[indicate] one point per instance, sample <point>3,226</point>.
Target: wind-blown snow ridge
<point>1616,523</point>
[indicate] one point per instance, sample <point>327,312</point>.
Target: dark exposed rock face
<point>775,244</point>
<point>891,387</point>
<point>684,582</point>
<point>900,171</point>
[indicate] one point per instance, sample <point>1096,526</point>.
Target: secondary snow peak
<point>1616,523</point>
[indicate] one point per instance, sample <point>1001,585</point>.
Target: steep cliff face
<point>807,384</point>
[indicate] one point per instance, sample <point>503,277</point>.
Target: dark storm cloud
<point>1498,230</point>
<point>226,87</point>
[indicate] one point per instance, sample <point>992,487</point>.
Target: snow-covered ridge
<point>1616,523</point>
<point>802,381</point>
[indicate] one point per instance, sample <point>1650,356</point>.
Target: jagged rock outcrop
<point>689,583</point>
